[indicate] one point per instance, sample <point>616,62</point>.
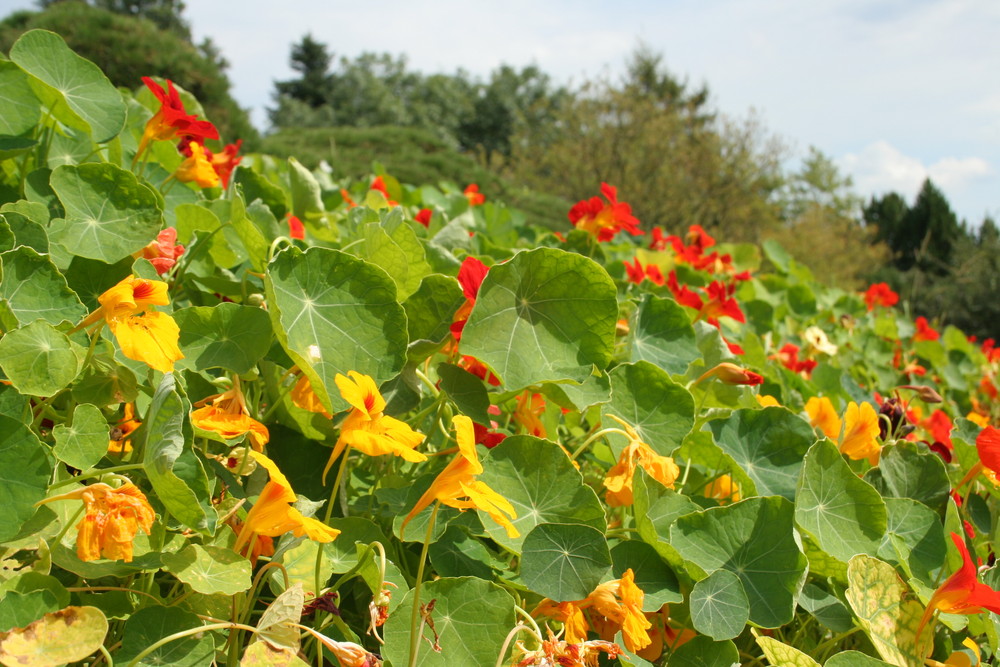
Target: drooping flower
<point>962,592</point>
<point>824,417</point>
<point>424,216</point>
<point>880,294</point>
<point>172,121</point>
<point>636,453</point>
<point>456,486</point>
<point>296,229</point>
<point>366,428</point>
<point>273,514</point>
<point>143,334</point>
<point>602,220</point>
<point>730,373</point>
<point>554,651</point>
<point>473,195</point>
<point>164,252</point>
<point>197,168</point>
<point>861,429</point>
<point>227,414</point>
<point>111,520</point>
<point>119,442</point>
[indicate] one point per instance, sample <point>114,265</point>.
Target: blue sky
<point>893,90</point>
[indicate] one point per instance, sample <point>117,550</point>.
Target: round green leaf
<point>57,638</point>
<point>660,410</point>
<point>906,471</point>
<point>662,334</point>
<point>430,310</point>
<point>768,444</point>
<point>21,110</point>
<point>74,88</point>
<point>913,536</point>
<point>471,618</point>
<point>38,360</point>
<point>21,609</point>
<point>753,539</point>
<point>564,561</point>
<point>458,554</point>
<point>335,313</point>
<point>32,288</point>
<point>541,483</point>
<point>466,390</point>
<point>210,570</point>
<point>24,475</point>
<point>701,651</point>
<point>652,575</point>
<point>85,441</point>
<point>151,624</point>
<point>854,659</point>
<point>109,213</point>
<point>396,248</point>
<point>719,606</point>
<point>227,336</point>
<point>547,315</point>
<point>842,512</point>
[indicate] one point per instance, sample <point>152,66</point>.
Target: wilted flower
<point>113,517</point>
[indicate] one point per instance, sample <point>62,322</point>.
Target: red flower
<point>789,358</point>
<point>924,330</point>
<point>638,273</point>
<point>720,302</point>
<point>939,425</point>
<point>172,121</point>
<point>470,277</point>
<point>379,184</point>
<point>479,369</point>
<point>880,294</point>
<point>604,220</point>
<point>475,197</point>
<point>346,196</point>
<point>962,592</point>
<point>295,227</point>
<point>424,217</point>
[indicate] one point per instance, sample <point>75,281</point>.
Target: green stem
<point>593,437</point>
<point>98,473</point>
<point>187,633</point>
<point>415,612</point>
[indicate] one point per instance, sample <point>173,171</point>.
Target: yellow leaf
<point>57,638</point>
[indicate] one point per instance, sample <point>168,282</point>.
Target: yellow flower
<point>982,421</point>
<point>229,417</point>
<point>198,168</point>
<point>457,487</point>
<point>823,416</point>
<point>860,439</point>
<point>366,428</point>
<point>113,517</point>
<point>766,400</point>
<point>273,515</point>
<point>143,334</point>
<point>618,481</point>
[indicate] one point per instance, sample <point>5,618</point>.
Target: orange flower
<point>273,515</point>
<point>171,121</point>
<point>475,197</point>
<point>143,334</point>
<point>824,417</point>
<point>604,220</point>
<point>229,416</point>
<point>366,428</point>
<point>457,487</point>
<point>163,252</point>
<point>119,443</point>
<point>304,397</point>
<point>861,431</point>
<point>197,168</point>
<point>225,162</point>
<point>962,592</point>
<point>530,408</point>
<point>732,374</point>
<point>612,606</point>
<point>880,294</point>
<point>113,517</point>
<point>618,481</point>
<point>723,489</point>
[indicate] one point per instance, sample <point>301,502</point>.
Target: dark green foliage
<point>921,236</point>
<point>127,48</point>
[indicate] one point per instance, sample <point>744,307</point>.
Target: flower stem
<point>187,633</point>
<point>415,612</point>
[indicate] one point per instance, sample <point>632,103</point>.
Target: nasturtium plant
<point>254,413</point>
